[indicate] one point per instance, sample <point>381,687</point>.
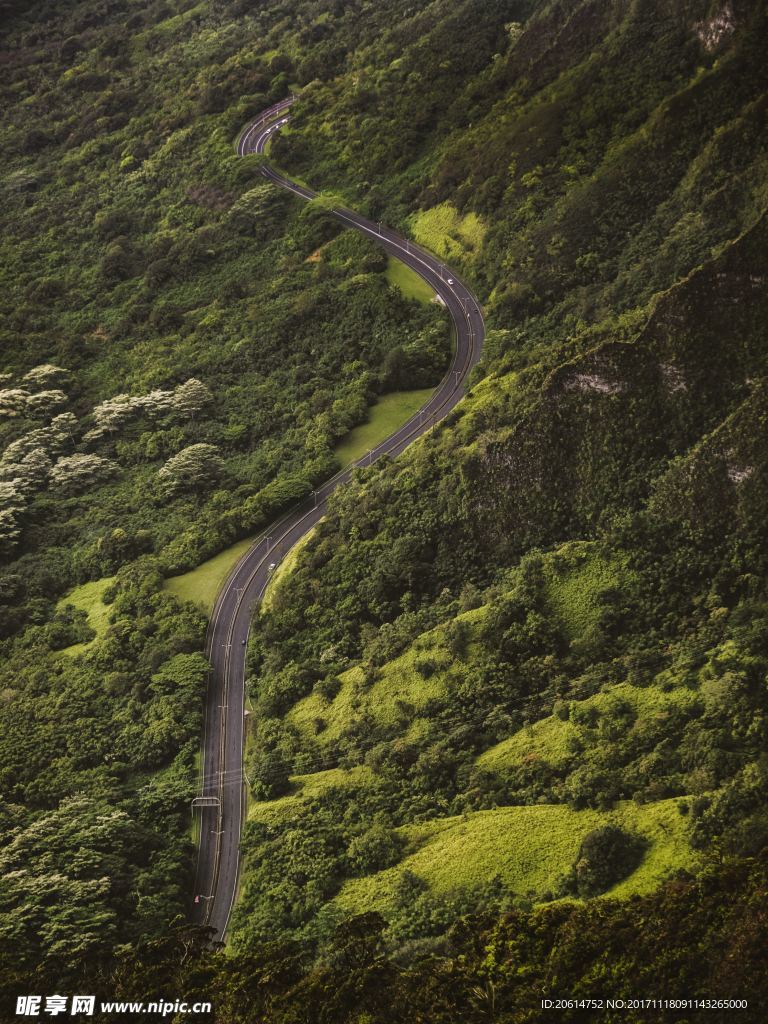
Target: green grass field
<point>200,585</point>
<point>547,740</point>
<point>529,848</point>
<point>88,597</point>
<point>408,281</point>
<point>397,696</point>
<point>304,787</point>
<point>389,413</point>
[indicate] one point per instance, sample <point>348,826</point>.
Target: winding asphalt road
<point>222,784</point>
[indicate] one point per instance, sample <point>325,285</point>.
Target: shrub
<point>606,856</point>
<point>374,850</point>
<point>328,688</point>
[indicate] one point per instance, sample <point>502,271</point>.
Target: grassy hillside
<point>478,718</point>
<point>88,598</point>
<point>556,738</point>
<point>527,849</point>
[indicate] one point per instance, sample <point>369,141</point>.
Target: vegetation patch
<point>389,413</point>
<point>201,585</point>
<point>304,788</point>
<point>553,739</point>
<point>88,597</point>
<point>411,284</point>
<point>399,692</point>
<point>578,577</point>
<point>530,849</point>
<point>281,573</point>
<point>546,739</point>
<point>447,233</point>
<point>390,695</point>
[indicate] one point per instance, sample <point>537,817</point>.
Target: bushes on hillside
<point>606,856</point>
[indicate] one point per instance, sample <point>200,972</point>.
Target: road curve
<point>222,783</point>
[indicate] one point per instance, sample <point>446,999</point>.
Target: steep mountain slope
<point>623,405</point>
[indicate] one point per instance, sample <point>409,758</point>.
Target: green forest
<point>508,702</point>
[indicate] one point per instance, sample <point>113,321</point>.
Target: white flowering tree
<point>47,376</point>
<point>11,494</point>
<point>12,504</point>
<point>43,403</point>
<point>9,528</point>
<point>75,473</point>
<point>30,474</point>
<point>196,466</point>
<point>13,402</point>
<point>52,438</point>
<point>190,397</point>
<point>112,415</point>
<point>65,423</point>
<point>156,404</point>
